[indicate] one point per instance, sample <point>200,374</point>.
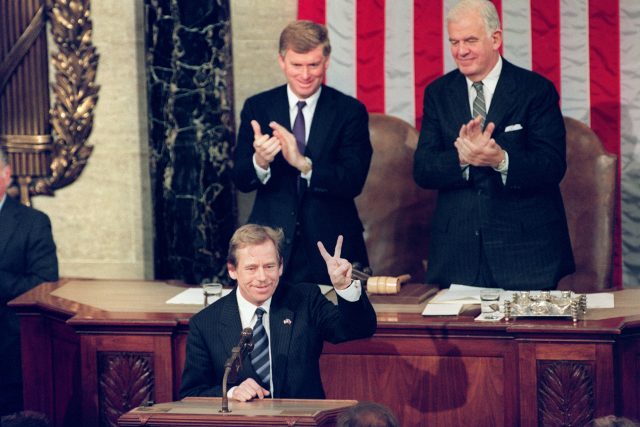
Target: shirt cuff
<point>352,292</point>
<point>307,175</point>
<point>503,168</point>
<point>263,174</point>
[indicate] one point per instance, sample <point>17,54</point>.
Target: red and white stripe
<point>385,53</point>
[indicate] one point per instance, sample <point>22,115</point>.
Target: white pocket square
<point>512,128</point>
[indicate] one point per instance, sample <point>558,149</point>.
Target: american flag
<point>384,52</point>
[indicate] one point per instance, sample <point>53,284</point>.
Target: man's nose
<point>261,275</point>
<point>305,73</point>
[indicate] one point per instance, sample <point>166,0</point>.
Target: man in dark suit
<point>499,220</point>
<point>296,319</point>
<point>27,258</point>
<point>308,171</point>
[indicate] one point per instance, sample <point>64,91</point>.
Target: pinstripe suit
<point>521,226</point>
<point>27,258</point>
<point>295,346</point>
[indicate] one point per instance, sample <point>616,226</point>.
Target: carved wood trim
<point>125,381</point>
<point>565,393</point>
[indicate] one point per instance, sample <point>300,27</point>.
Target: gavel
<point>382,285</point>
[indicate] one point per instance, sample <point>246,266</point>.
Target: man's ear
<point>497,39</point>
<point>281,61</point>
<point>281,268</point>
<point>232,271</point>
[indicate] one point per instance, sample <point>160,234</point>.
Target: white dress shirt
<point>307,112</point>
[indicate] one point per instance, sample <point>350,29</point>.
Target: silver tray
<point>545,304</point>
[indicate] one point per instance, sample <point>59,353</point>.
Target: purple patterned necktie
<point>299,127</point>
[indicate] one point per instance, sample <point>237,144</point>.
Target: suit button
<point>477,232</point>
<point>480,192</point>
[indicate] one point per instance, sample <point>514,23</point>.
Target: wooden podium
<point>94,349</point>
<point>204,411</point>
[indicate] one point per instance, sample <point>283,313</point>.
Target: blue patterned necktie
<point>299,129</point>
<point>260,353</point>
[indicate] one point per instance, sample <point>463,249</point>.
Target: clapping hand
<point>339,269</point>
<point>289,146</point>
<point>266,147</point>
<point>476,146</point>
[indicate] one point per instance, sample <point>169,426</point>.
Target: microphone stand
<point>234,363</point>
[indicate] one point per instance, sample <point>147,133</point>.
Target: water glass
<point>211,291</point>
<point>490,303</point>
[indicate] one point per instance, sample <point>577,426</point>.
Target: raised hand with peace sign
<point>339,269</point>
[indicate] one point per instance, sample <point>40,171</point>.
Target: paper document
<point>600,300</point>
<point>449,309</point>
<point>193,296</point>
<point>458,294</point>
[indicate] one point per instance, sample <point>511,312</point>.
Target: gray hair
<point>486,9</point>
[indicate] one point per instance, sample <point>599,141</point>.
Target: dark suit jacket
<point>27,258</point>
<point>340,150</point>
<point>295,345</point>
<point>521,225</point>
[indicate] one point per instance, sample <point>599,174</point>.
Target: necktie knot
<point>478,86</point>
<point>259,313</point>
<point>301,104</point>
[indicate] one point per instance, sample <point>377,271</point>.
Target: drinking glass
<point>211,291</point>
<point>490,303</point>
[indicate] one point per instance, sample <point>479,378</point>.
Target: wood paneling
<point>436,371</point>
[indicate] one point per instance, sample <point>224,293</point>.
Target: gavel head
<point>383,285</point>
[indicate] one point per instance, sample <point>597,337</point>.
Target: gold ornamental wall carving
<point>50,156</point>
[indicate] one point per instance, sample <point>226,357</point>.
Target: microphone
<point>234,363</point>
<point>246,342</point>
<point>244,347</point>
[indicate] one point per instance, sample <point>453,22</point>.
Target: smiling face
<point>475,51</point>
<point>257,271</point>
<point>304,71</point>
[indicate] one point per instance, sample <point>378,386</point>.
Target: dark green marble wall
<point>191,134</point>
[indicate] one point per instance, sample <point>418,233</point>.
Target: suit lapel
<point>8,223</point>
<point>281,321</point>
<point>231,323</point>
<point>280,109</point>
<point>503,96</point>
<point>323,118</point>
<point>460,101</point>
<point>232,328</point>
